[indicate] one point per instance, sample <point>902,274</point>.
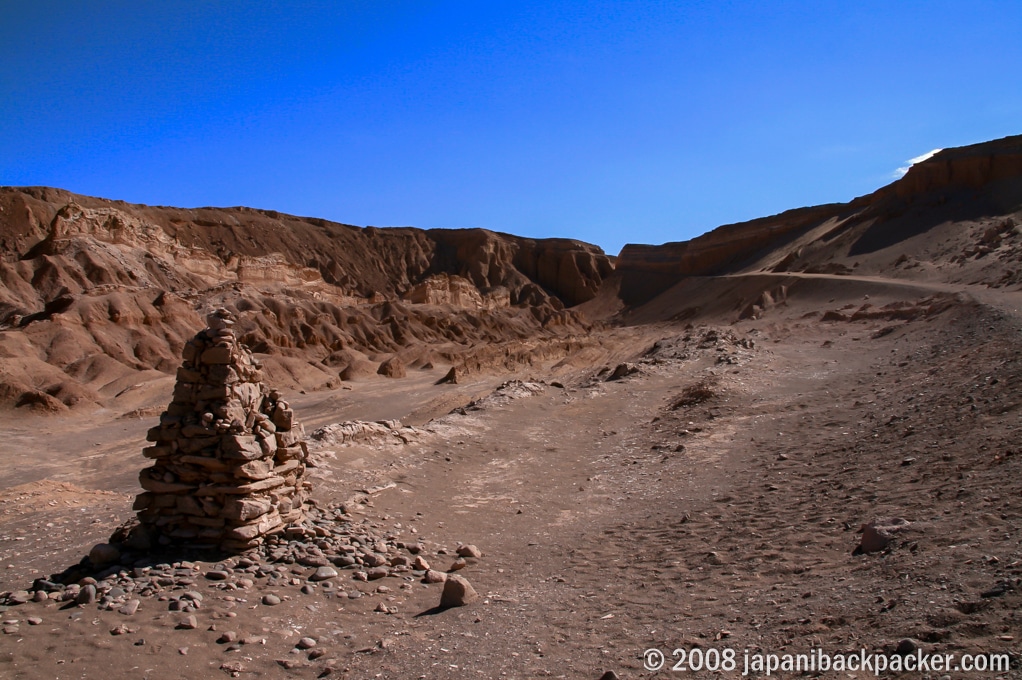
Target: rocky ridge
<point>97,296</point>
<point>951,218</point>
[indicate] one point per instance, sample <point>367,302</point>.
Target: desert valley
<point>507,457</point>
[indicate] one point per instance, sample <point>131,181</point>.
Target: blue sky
<point>609,122</point>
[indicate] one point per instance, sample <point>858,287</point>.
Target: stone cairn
<point>229,455</point>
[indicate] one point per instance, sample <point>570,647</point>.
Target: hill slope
<point>953,218</point>
<point>96,293</point>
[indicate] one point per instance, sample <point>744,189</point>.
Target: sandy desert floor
<point>711,498</point>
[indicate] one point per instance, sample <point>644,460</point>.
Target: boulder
<point>458,592</point>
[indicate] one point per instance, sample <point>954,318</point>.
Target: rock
<point>130,607</point>
<point>609,675</point>
<point>374,560</point>
<point>457,564</point>
<point>217,575</point>
<point>306,643</point>
<point>469,551</point>
<point>450,379</point>
<point>878,534</point>
<point>393,368</point>
<point>906,646</point>
<point>227,637</point>
<point>87,595</point>
<point>458,592</point>
<point>20,597</point>
<point>715,558</point>
<point>419,564</point>
<point>271,600</point>
<point>188,623</point>
<point>104,554</point>
<point>323,574</point>
<point>377,573</point>
<point>623,370</point>
<point>313,561</point>
<point>433,576</point>
<point>33,620</point>
<point>46,586</point>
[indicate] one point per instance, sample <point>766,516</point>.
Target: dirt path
<point>709,499</point>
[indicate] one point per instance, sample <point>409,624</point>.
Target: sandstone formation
<point>444,289</point>
<point>229,454</point>
<point>97,296</point>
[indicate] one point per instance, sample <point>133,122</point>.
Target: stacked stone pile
<point>229,455</point>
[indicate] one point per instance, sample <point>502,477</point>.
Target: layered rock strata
<point>228,455</point>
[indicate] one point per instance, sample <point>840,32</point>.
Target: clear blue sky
<point>610,122</point>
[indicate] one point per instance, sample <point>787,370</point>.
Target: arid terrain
<point>676,447</point>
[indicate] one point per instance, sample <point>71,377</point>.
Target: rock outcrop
<point>229,454</point>
<point>966,167</point>
<point>450,289</point>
